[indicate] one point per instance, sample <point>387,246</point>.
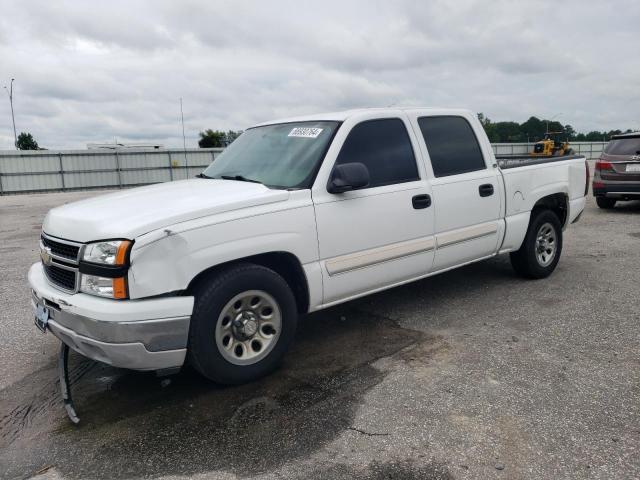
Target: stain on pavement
<point>135,424</point>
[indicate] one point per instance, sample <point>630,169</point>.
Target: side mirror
<point>348,176</point>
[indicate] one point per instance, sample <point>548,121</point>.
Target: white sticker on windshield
<point>305,132</point>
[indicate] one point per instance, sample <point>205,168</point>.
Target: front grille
<point>60,262</point>
<point>61,249</point>
<point>61,277</point>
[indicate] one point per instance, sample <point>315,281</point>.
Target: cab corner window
<point>384,147</point>
<point>452,145</point>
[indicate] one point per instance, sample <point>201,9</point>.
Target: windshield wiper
<point>202,175</point>
<point>239,178</point>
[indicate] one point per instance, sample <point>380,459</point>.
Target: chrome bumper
<point>137,334</point>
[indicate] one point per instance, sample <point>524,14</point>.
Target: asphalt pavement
<point>471,374</point>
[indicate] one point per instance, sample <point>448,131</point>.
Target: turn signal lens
<point>121,256</point>
<point>119,288</point>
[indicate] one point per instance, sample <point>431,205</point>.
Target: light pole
<point>13,119</point>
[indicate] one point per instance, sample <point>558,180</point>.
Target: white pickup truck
<point>295,216</point>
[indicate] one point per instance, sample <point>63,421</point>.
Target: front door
<point>382,234</point>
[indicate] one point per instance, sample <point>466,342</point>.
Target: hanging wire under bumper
<point>65,386</point>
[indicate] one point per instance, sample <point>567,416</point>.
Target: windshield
<point>623,146</point>
<point>284,155</point>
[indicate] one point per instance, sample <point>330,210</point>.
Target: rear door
<point>467,190</point>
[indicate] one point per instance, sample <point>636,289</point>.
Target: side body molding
<point>378,255</point>
<point>464,234</point>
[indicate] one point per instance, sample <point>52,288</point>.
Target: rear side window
<point>623,146</point>
<point>384,147</point>
<point>452,145</point>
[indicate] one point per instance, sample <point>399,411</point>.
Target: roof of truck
<point>345,114</point>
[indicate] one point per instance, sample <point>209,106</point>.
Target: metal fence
<point>43,171</point>
<point>591,150</point>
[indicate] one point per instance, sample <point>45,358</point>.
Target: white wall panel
<point>26,183</point>
<point>138,177</point>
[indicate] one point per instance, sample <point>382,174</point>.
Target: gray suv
<point>617,173</point>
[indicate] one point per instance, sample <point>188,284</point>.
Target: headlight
<point>103,286</point>
<point>113,252</point>
<point>103,268</point>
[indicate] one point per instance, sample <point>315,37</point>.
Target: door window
<point>452,145</point>
<point>384,147</point>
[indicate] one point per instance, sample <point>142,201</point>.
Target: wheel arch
<point>286,264</point>
<point>558,203</point>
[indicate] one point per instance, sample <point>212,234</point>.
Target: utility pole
<point>184,141</point>
<point>13,118</point>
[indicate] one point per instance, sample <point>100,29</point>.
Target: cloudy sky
<point>94,71</point>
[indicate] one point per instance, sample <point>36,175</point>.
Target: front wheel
<point>243,321</point>
<point>606,203</point>
<point>542,246</point>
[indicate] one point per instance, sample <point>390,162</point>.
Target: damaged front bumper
<point>149,334</point>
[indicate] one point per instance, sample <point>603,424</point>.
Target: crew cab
<point>294,216</point>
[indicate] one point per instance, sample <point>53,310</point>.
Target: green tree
<point>489,127</point>
<point>533,129</point>
<point>217,138</point>
<point>570,132</point>
<point>212,139</point>
<point>231,135</point>
<point>26,142</point>
<point>484,120</point>
<point>508,132</point>
<point>595,136</point>
<point>555,126</point>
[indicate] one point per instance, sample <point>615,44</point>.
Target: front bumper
<point>137,334</point>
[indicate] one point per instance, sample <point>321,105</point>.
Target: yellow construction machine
<point>551,146</point>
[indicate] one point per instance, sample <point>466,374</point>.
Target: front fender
<point>169,263</point>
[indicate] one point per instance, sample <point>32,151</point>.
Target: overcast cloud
<point>95,71</point>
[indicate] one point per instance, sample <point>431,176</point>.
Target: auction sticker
<point>305,132</point>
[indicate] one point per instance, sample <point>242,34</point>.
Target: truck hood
<point>130,213</point>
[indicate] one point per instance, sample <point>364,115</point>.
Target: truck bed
<point>515,161</point>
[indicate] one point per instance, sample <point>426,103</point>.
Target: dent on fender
<point>149,265</point>
<point>170,262</point>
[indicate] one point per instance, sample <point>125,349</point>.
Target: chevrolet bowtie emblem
<point>45,255</point>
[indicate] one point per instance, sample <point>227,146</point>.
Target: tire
<point>542,246</point>
<point>232,338</point>
<point>606,203</point>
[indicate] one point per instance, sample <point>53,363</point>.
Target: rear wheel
<point>604,202</point>
<point>243,321</point>
<point>542,246</point>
